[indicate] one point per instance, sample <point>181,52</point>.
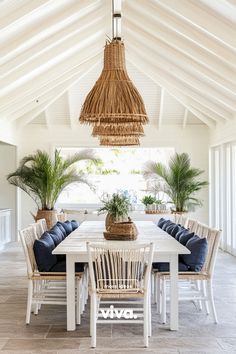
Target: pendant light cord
<point>116,20</point>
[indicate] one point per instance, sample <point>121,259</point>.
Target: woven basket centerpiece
<point>114,105</point>
<point>122,231</point>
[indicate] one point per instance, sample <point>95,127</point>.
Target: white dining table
<point>166,249</point>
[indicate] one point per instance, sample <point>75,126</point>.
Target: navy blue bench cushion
<point>185,236</point>
<point>58,224</point>
<point>198,247</point>
<point>75,224</point>
<point>161,222</point>
<point>166,224</point>
<point>43,252</point>
<point>67,226</point>
<point>172,229</point>
<point>165,267</point>
<point>56,234</point>
<point>61,267</point>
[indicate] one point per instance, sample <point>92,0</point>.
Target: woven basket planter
<point>49,215</point>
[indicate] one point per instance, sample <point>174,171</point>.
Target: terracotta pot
<point>49,215</point>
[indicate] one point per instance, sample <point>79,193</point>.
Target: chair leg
<point>150,315</point>
<point>29,301</point>
<point>163,300</point>
<point>93,320</point>
<point>203,287</point>
<point>78,302</point>
<point>36,291</point>
<point>211,300</point>
<point>198,285</point>
<point>145,319</point>
<point>158,290</point>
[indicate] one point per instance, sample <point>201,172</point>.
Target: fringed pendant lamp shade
<point>114,106</point>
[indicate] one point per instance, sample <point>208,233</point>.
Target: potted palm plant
<point>43,178</point>
<point>117,208</point>
<point>180,181</point>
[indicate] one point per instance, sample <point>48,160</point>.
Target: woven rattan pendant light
<point>114,106</point>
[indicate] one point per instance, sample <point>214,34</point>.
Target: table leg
<point>174,301</point>
<point>70,292</point>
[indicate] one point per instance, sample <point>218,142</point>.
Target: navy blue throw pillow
<point>43,252</point>
<point>185,236</point>
<point>172,228</point>
<point>161,222</point>
<point>165,267</point>
<point>175,230</point>
<point>61,228</point>
<point>181,232</point>
<point>198,247</point>
<point>166,224</point>
<point>74,224</point>
<point>67,226</point>
<point>56,234</point>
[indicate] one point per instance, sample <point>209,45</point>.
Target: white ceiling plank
<point>84,17</point>
<point>184,87</point>
<point>83,53</point>
<point>36,93</point>
<point>207,112</point>
<point>160,119</point>
<point>11,12</point>
<point>226,100</point>
<point>29,116</point>
<point>43,27</point>
<point>184,60</point>
<point>55,91</point>
<point>176,29</point>
<point>185,118</point>
<point>51,57</point>
<point>152,73</point>
<point>204,20</point>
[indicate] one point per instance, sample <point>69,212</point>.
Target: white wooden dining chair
<point>120,271</point>
<point>202,293</point>
<point>192,225</point>
<point>40,227</point>
<point>46,287</point>
<point>180,219</point>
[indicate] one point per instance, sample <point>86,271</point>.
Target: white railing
<point>5,226</point>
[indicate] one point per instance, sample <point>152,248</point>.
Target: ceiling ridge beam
<point>170,72</point>
<point>167,22</point>
<point>161,109</point>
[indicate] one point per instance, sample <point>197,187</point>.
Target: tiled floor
<point>47,331</point>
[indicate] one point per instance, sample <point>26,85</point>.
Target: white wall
<point>193,140</point>
<point>8,193</point>
<point>223,133</point>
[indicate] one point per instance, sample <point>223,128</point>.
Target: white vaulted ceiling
<point>181,55</point>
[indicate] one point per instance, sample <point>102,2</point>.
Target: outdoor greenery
<point>117,206</point>
<point>148,200</point>
<point>44,178</point>
<point>180,181</point>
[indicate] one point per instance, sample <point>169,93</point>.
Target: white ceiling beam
<point>176,29</point>
<point>206,21</point>
<point>185,118</point>
<point>83,53</point>
<point>42,27</point>
<point>51,57</point>
<point>226,100</point>
<point>185,87</point>
<point>11,12</point>
<point>223,78</point>
<point>48,45</point>
<point>55,91</point>
<point>160,119</point>
<point>150,71</point>
<point>35,94</point>
<point>29,116</point>
<point>72,118</point>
